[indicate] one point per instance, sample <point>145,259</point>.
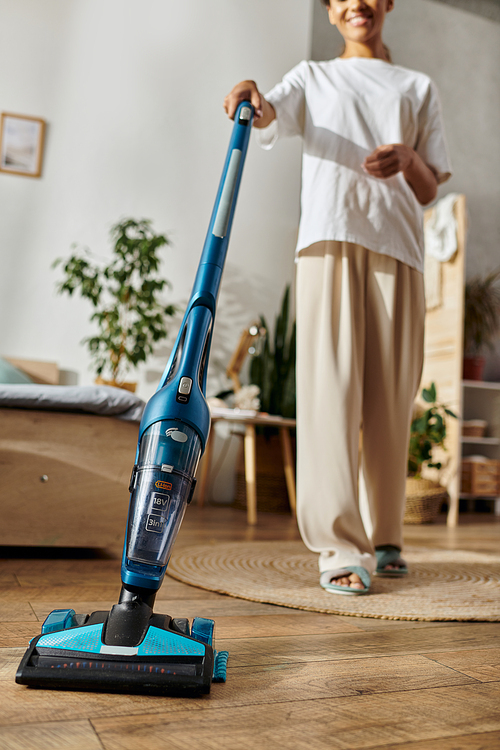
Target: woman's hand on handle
<point>248,91</point>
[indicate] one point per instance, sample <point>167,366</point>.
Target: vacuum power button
<point>185,386</point>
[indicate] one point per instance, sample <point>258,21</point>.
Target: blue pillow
<point>10,374</point>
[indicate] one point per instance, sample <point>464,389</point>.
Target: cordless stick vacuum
<point>131,649</point>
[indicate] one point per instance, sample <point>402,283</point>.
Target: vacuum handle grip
<point>242,119</point>
<point>220,224</point>
<point>221,220</point>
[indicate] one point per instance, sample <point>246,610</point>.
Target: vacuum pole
<point>176,421</point>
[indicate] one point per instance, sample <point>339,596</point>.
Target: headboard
<point>46,373</point>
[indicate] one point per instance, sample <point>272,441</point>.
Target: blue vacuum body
<point>130,648</point>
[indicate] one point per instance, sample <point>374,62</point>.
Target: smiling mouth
<point>358,20</point>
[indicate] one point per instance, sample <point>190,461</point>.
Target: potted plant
<point>481,322</point>
<point>272,368</point>
<point>427,432</point>
<point>125,295</point>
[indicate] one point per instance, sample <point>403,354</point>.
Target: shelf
<point>480,441</point>
<point>481,385</point>
<point>469,496</point>
<point>481,400</point>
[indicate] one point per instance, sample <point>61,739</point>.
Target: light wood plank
<point>18,634</point>
<point>9,660</point>
<point>53,574</point>
<point>15,611</point>
<point>372,623</point>
<point>481,664</point>
<point>284,650</point>
<point>97,592</point>
<point>483,741</point>
<point>265,626</point>
<point>102,592</point>
<point>56,735</point>
<point>480,535</point>
<point>327,679</point>
<point>8,579</point>
<point>365,721</point>
<point>40,573</point>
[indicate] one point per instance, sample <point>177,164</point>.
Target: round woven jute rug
<point>441,584</point>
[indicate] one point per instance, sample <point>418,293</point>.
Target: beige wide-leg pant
<point>360,327</point>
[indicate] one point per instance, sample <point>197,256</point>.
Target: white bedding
<point>94,399</point>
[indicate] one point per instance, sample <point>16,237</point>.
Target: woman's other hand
<point>387,161</point>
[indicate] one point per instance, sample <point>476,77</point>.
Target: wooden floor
<point>296,680</point>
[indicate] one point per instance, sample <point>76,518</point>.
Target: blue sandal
<point>325,581</point>
<point>390,555</point>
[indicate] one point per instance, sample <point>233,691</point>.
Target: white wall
<point>132,93</point>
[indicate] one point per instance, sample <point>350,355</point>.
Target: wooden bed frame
<point>65,476</point>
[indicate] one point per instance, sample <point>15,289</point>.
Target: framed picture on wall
<point>21,144</point>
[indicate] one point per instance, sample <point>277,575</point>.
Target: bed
<point>66,455</point>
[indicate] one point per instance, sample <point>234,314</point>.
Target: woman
<point>373,153</point>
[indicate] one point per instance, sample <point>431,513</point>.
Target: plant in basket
<point>427,432</point>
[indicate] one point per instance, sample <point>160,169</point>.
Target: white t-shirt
<point>344,109</point>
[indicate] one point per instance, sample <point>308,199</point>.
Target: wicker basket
<point>480,476</point>
<point>423,500</point>
<point>474,428</point>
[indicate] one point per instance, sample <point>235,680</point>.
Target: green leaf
<point>429,394</point>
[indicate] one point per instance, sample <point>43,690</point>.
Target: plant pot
<point>126,386</point>
<point>423,500</point>
<point>473,368</point>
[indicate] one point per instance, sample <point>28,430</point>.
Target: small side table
<point>250,419</point>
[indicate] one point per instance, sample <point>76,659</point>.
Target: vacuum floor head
<point>171,658</point>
